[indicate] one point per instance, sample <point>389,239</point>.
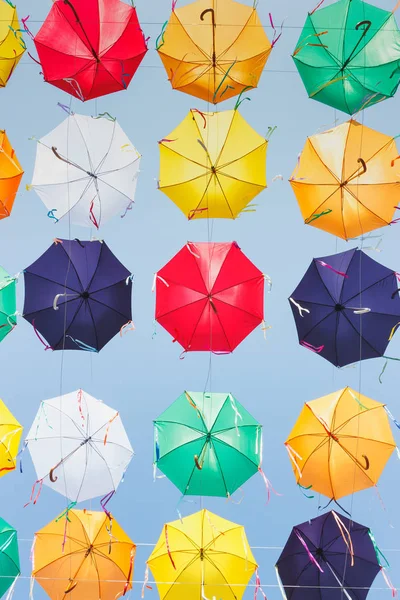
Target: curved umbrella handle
<point>196,460</point>
<point>56,299</point>
<point>205,12</point>
<point>363,164</point>
<point>365,457</point>
<point>53,478</point>
<point>71,587</point>
<point>368,25</point>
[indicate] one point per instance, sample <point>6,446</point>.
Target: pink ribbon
<point>310,556</point>
<point>316,349</point>
<point>324,264</point>
<point>389,583</point>
<point>46,346</point>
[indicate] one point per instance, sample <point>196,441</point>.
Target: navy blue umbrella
<point>328,558</point>
<point>77,295</point>
<point>346,307</point>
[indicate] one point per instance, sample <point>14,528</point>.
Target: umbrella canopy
<point>348,55</point>
<point>86,555</point>
<point>340,443</point>
<point>12,45</point>
<point>346,181</point>
<point>346,307</point>
<point>210,297</point>
<point>90,48</point>
<point>213,164</point>
<point>10,436</point>
<point>11,173</point>
<point>8,303</point>
<point>328,558</point>
<point>77,295</point>
<point>87,169</point>
<point>205,555</point>
<point>214,50</point>
<point>207,444</point>
<point>79,446</point>
<point>9,556</point>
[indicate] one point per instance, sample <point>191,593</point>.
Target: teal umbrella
<point>207,444</point>
<point>9,558</point>
<point>348,55</point>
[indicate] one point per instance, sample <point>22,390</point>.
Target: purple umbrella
<point>346,307</point>
<point>328,558</point>
<point>77,295</point>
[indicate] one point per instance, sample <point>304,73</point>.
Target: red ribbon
<point>168,548</point>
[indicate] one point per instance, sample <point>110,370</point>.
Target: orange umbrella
<point>83,554</point>
<point>347,180</point>
<point>340,444</point>
<point>213,50</point>
<point>11,175</point>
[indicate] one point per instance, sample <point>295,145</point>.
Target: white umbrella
<point>79,446</point>
<point>86,168</point>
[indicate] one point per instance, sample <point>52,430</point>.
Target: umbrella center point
<point>201,553</point>
<point>91,174</point>
<point>319,553</point>
<point>85,295</point>
<point>213,170</point>
<point>339,307</point>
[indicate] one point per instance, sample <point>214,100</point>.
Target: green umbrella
<point>9,559</point>
<point>348,55</point>
<point>207,444</point>
<point>8,303</point>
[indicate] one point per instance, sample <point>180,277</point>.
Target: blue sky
<point>140,375</point>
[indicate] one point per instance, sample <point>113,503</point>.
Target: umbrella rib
<point>189,564</point>
<point>222,575</point>
<point>65,332</point>
<point>71,262</point>
<point>235,307</point>
<point>180,308</point>
<point>221,167</point>
<point>219,412</point>
<point>184,444</point>
<point>106,288</point>
<point>219,465</point>
<point>186,158</point>
<point>54,282</point>
<point>231,447</point>
<point>64,414</point>
<point>214,539</point>
<point>323,282</point>
<point>107,306</point>
<point>357,416</point>
<point>226,50</point>
<point>336,178</point>
<point>206,56</point>
<point>362,337</point>
<point>225,198</point>
<point>236,284</point>
<point>84,141</point>
<point>368,288</point>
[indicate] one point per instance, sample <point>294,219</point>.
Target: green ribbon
<point>317,216</point>
<point>378,553</point>
<point>306,489</point>
<point>66,511</point>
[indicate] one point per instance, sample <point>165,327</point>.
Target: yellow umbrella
<point>10,435</point>
<point>347,180</point>
<point>12,45</point>
<point>340,444</point>
<point>213,164</point>
<point>205,556</point>
<point>214,50</point>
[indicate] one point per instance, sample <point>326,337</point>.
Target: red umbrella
<point>210,297</point>
<point>90,48</point>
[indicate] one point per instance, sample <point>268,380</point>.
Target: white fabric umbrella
<point>87,168</point>
<point>79,446</point>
